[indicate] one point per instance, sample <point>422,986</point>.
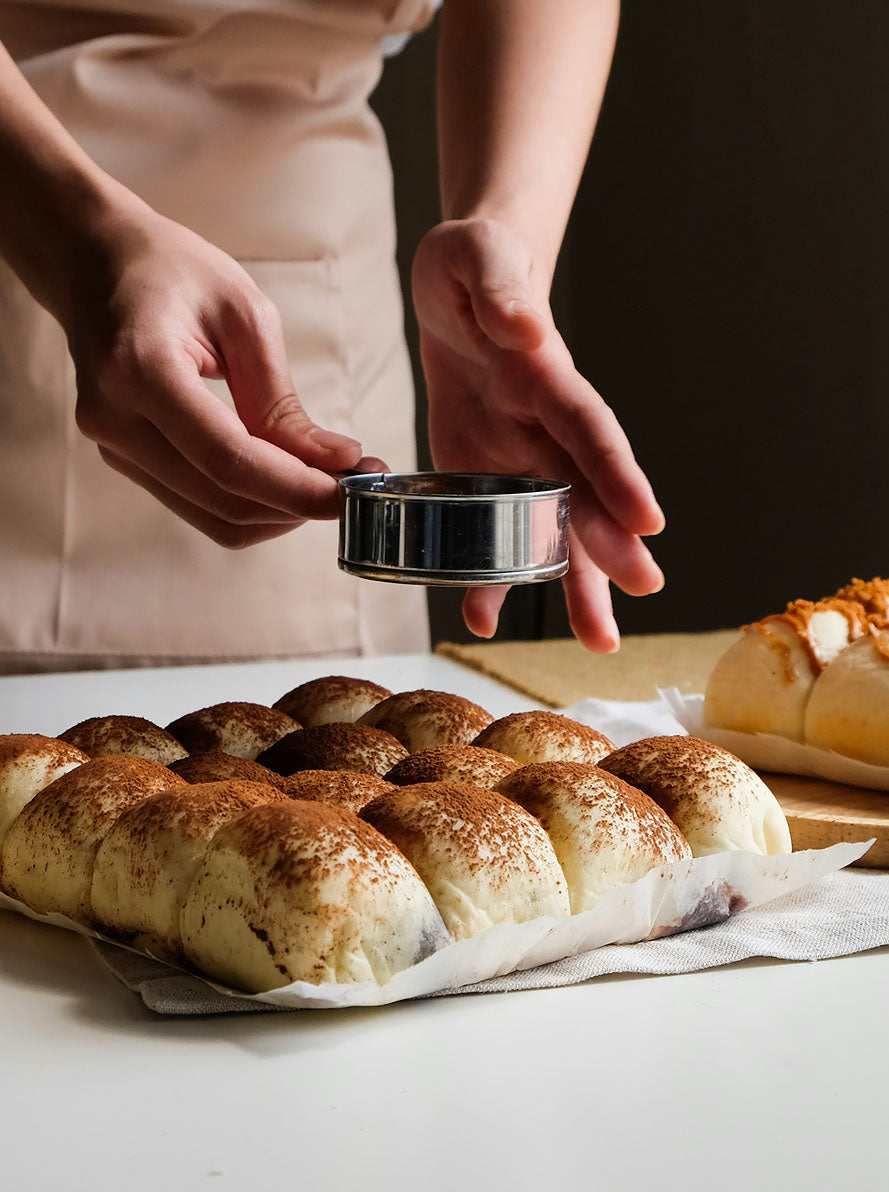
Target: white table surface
<point>764,1075</point>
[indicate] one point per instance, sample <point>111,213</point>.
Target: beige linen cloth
<point>247,121</point>
<point>844,913</point>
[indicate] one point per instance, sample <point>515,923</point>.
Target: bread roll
<point>715,800</point>
<point>848,710</point>
<point>763,682</point>
<point>48,856</point>
<point>151,854</point>
<point>28,763</point>
<point>605,833</point>
<point>346,789</point>
<point>420,719</point>
<point>453,763</point>
<point>133,736</point>
<point>241,729</point>
<point>335,747</point>
<point>484,859</point>
<point>335,699</point>
<point>303,892</point>
<point>216,766</point>
<point>532,737</point>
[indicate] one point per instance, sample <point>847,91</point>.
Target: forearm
<point>54,200</point>
<point>520,85</point>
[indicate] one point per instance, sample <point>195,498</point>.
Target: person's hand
<point>504,396</point>
<point>154,310</point>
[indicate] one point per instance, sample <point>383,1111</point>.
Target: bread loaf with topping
<point>301,891</point>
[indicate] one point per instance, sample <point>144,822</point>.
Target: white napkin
<point>843,913</point>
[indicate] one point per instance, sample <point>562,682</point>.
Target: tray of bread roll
<point>351,846</point>
<point>803,697</point>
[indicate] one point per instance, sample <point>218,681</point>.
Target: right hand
<point>156,309</point>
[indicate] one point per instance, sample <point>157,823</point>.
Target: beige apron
<point>248,122</point>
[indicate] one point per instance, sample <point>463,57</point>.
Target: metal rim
<point>451,579</point>
<point>516,488</point>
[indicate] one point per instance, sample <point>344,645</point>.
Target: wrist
<point>80,231</point>
<point>538,247</point>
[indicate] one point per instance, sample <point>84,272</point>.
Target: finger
<point>622,556</point>
<point>258,373</point>
<point>212,437</point>
<point>481,609</point>
<point>369,464</point>
<point>143,445</point>
<point>227,534</point>
<point>581,422</point>
<point>588,600</point>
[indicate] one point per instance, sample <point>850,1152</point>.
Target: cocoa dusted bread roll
<point>133,736</point>
<point>151,854</point>
<point>484,859</point>
<point>421,719</point>
<point>28,763</point>
<point>239,728</point>
<point>453,763</point>
<point>346,789</point>
<point>216,766</point>
<point>335,699</point>
<point>717,802</point>
<point>300,891</point>
<point>605,833</point>
<point>47,859</point>
<point>335,747</point>
<point>531,737</point>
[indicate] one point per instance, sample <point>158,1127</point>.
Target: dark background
<point>724,283</point>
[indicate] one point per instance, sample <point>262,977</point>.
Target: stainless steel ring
<point>453,528</point>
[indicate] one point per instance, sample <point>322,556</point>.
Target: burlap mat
<point>844,913</point>
<point>562,672</point>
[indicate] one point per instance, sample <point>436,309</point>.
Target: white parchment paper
<point>678,897</point>
<point>767,751</point>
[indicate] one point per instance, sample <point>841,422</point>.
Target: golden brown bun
<point>335,699</point>
<point>151,854</point>
<point>715,800</point>
<point>848,709</point>
<point>300,891</point>
<point>532,737</point>
<point>242,729</point>
<point>48,855</point>
<point>216,766</point>
<point>605,833</point>
<point>28,763</point>
<point>763,682</point>
<point>132,736</point>
<point>346,789</point>
<point>335,747</point>
<point>453,763</point>
<point>421,719</point>
<point>483,858</point>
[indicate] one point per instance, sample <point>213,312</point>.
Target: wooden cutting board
<point>821,813</point>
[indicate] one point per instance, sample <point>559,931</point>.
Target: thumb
<point>481,609</point>
<point>258,374</point>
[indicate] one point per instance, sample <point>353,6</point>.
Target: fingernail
<point>330,440</point>
<point>518,306</point>
<point>663,520</point>
<point>660,582</point>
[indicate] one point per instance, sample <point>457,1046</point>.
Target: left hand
<point>504,396</point>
